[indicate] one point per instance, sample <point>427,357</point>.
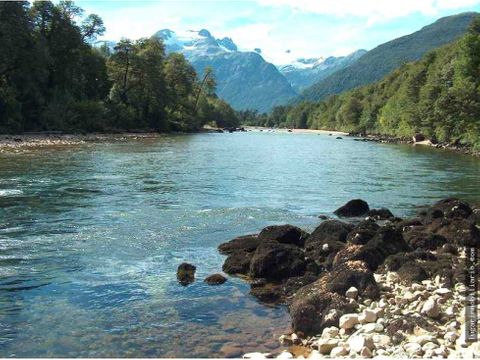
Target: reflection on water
<point>90,236</point>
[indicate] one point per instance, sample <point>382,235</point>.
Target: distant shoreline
<point>16,142</point>
<point>42,140</point>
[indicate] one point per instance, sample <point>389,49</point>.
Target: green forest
<point>53,79</point>
<point>438,96</point>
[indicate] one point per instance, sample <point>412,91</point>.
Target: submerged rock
<point>353,208</point>
<point>186,273</point>
<point>215,279</point>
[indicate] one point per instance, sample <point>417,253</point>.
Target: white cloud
<point>372,10</point>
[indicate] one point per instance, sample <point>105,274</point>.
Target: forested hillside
<point>52,79</point>
<point>378,62</point>
<point>438,96</point>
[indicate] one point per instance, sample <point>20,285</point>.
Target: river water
<point>91,235</point>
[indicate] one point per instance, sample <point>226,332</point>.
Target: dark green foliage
<point>377,63</point>
<point>52,79</point>
<point>438,96</point>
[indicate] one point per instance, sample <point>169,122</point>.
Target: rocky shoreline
<point>385,139</point>
<point>366,285</point>
<point>41,140</point>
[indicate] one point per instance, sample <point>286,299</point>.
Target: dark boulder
<point>450,208</point>
<point>186,273</point>
<point>352,273</point>
<point>448,249</point>
<point>362,232</point>
<point>285,234</point>
<point>242,243</point>
<point>313,308</point>
<point>356,207</point>
<point>412,272</point>
<point>459,232</point>
<point>329,237</point>
<point>423,240</point>
<point>293,284</point>
<point>475,217</point>
<point>395,261</point>
<point>238,263</point>
<point>380,214</point>
<point>215,279</point>
<point>418,137</point>
<point>273,260</point>
<point>387,241</point>
<point>404,225</point>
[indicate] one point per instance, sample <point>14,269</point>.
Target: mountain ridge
<point>388,56</point>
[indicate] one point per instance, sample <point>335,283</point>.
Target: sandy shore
<point>296,131</point>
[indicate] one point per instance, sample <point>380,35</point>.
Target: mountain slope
<point>381,60</point>
<point>305,72</point>
<point>244,79</point>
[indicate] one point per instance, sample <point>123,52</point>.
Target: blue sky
<point>307,28</point>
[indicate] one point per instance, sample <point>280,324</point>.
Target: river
<point>91,235</point>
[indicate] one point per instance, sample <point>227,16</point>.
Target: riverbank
<point>296,131</point>
<point>369,285</point>
<point>40,140</point>
<point>461,149</point>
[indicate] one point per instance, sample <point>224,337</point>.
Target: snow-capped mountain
<point>301,73</point>
<point>244,78</point>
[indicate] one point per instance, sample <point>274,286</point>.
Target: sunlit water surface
<point>91,235</point>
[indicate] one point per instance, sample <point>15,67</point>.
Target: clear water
<point>91,235</point>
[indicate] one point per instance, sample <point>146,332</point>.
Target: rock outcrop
<point>359,276</point>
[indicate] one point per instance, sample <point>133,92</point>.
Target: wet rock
<point>268,293</point>
<point>186,273</point>
<point>380,214</point>
<point>238,263</point>
<point>356,207</point>
<point>215,279</point>
<point>246,243</point>
<point>273,260</point>
<point>285,234</point>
